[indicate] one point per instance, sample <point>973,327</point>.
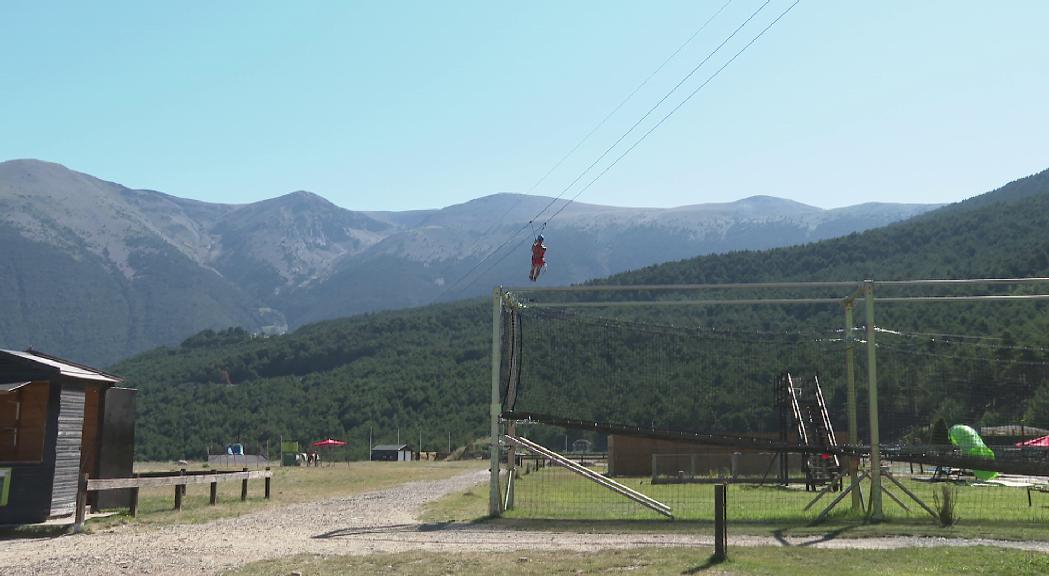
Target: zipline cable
<point>674,109</point>
<point>650,111</point>
<point>646,134</point>
<point>608,150</point>
<point>605,120</point>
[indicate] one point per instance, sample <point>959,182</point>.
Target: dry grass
<point>290,485</point>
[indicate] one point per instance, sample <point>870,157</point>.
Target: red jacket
<point>538,252</point>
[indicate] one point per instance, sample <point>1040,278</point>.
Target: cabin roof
<point>385,447</point>
<point>64,367</point>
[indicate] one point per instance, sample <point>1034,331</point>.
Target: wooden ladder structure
<point>589,474</point>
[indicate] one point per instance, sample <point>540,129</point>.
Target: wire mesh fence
<point>550,491</point>
<point>942,393</point>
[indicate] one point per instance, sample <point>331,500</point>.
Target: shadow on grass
<point>781,537</point>
<point>387,529</point>
<point>710,563</point>
<point>630,525</point>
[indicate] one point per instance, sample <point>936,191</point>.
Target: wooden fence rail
<point>178,479</point>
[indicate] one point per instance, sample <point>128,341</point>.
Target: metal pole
<point>872,389</point>
<point>511,465</point>
<point>493,480</point>
<point>850,375</point>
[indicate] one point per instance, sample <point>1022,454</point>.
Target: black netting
<point>665,376</point>
<point>996,388</point>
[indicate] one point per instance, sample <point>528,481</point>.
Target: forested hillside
<point>419,370</point>
<point>428,368</point>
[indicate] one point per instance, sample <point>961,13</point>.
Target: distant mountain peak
<point>30,162</point>
<point>302,198</point>
<point>765,200</point>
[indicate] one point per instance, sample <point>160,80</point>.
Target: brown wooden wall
<point>31,423</point>
<point>89,440</point>
<point>632,456</point>
<point>30,497</point>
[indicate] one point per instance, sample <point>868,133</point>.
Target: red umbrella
<point>1042,442</point>
<point>328,442</point>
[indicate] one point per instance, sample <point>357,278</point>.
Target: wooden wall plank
<point>67,449</point>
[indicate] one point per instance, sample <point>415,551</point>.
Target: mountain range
<point>428,368</point>
<point>97,271</point>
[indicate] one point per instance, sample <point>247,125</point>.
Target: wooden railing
<point>178,479</point>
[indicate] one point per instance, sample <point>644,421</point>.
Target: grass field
<point>554,499</point>
<point>648,561</point>
<point>290,485</point>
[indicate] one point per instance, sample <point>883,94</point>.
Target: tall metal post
<point>497,352</point>
<point>872,389</point>
<point>850,395</point>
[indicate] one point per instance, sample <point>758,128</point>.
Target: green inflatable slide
<point>970,443</point>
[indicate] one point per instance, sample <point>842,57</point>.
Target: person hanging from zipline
<point>538,258</point>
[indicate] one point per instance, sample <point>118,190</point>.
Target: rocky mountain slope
<point>97,271</point>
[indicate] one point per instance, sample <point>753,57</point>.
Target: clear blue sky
<point>401,105</point>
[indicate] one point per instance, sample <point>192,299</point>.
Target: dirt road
<point>382,521</point>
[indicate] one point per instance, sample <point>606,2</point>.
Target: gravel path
<point>382,521</point>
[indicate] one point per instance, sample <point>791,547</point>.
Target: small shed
<point>392,452</point>
<point>59,419</point>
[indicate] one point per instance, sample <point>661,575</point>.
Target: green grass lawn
<point>290,485</point>
<point>648,561</point>
<point>554,499</point>
<point>557,493</point>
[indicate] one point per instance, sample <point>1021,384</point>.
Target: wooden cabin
<point>59,419</point>
<point>392,453</point>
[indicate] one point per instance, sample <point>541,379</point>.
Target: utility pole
<point>872,389</point>
<point>850,373</point>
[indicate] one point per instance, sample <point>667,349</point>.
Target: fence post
<point>178,496</point>
<point>214,493</point>
<point>268,478</point>
<point>133,511</point>
<point>720,528</point>
<point>81,504</point>
<point>244,487</point>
